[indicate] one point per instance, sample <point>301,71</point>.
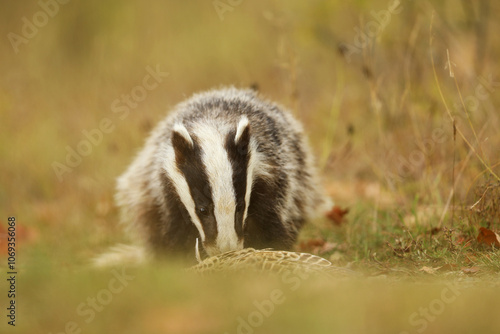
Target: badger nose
<point>227,246</point>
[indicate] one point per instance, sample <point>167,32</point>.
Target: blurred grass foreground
<point>399,99</point>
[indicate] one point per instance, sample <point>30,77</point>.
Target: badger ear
<point>182,142</point>
<point>242,132</point>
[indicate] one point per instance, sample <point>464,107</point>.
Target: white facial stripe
<point>182,189</point>
<point>250,172</point>
<point>219,171</point>
<point>241,127</point>
<point>181,129</point>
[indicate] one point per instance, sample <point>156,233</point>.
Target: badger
<point>225,167</point>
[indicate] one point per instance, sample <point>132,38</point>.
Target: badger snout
<point>224,246</point>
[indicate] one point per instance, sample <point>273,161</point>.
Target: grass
<point>404,125</point>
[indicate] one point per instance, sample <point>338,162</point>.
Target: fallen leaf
<point>336,215</point>
<point>24,235</point>
<point>317,246</point>
<point>463,240</point>
<point>312,246</point>
<point>429,270</point>
<point>488,237</point>
<point>328,247</point>
<point>313,243</point>
<point>435,230</point>
<point>470,271</point>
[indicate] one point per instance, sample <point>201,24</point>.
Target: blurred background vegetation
<point>358,74</point>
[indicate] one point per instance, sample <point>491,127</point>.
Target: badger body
<point>226,167</point>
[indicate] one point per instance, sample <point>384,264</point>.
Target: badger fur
<point>226,167</point>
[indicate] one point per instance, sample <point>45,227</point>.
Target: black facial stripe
<point>180,233</point>
<point>239,157</point>
<point>264,227</point>
<point>189,162</point>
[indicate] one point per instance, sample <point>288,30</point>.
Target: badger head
<point>212,174</point>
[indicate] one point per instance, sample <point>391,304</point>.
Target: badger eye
<point>202,210</point>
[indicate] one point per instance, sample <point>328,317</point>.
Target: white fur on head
<point>240,129</point>
<point>242,125</point>
<point>220,176</point>
<point>181,130</point>
<point>197,251</point>
<point>179,181</point>
<point>252,167</point>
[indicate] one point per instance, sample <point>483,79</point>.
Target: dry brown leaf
<point>336,215</point>
<point>328,247</point>
<point>317,246</point>
<point>463,240</point>
<point>24,235</point>
<point>435,230</point>
<point>488,237</point>
<point>429,270</point>
<point>312,245</point>
<point>471,270</point>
